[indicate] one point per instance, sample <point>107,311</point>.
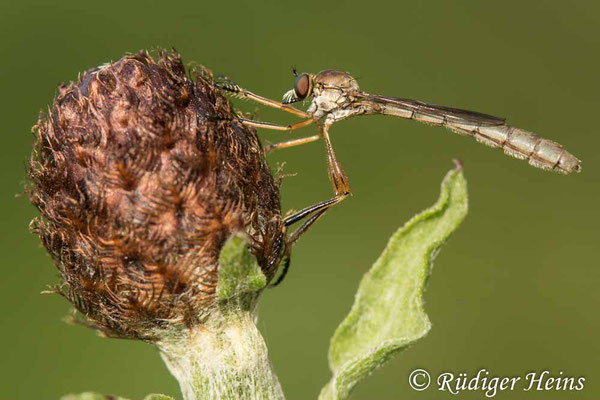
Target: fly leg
<point>243,93</point>
<point>338,177</point>
<point>275,127</point>
<point>291,143</point>
<point>292,127</point>
<point>312,214</point>
<point>341,189</point>
<point>230,86</point>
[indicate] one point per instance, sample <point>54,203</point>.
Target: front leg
<point>228,85</point>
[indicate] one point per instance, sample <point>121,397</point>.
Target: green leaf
<point>388,314</point>
<point>239,273</point>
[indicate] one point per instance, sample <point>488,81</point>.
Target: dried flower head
<point>140,175</point>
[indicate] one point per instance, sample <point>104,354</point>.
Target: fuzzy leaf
<point>239,272</point>
<point>388,314</point>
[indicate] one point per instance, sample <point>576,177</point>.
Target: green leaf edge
<point>239,272</point>
<point>348,372</point>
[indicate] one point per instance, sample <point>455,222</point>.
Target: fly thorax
<point>327,100</point>
<point>339,114</point>
<point>313,110</point>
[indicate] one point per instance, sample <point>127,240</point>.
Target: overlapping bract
<point>141,174</point>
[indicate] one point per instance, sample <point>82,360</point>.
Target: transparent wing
<point>452,115</point>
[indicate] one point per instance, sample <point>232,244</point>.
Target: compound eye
<point>302,86</point>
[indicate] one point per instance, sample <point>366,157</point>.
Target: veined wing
<point>540,152</point>
<point>449,114</point>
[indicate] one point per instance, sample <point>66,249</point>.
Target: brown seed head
<point>140,175</point>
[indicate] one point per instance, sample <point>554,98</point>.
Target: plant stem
<point>229,362</point>
<point>225,357</point>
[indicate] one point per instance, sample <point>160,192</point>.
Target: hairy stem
<point>226,357</point>
<point>229,362</point>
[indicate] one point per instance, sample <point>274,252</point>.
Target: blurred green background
<point>516,288</point>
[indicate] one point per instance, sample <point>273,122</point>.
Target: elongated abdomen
<point>519,143</point>
<point>516,142</point>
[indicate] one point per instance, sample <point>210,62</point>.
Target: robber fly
<point>336,96</point>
